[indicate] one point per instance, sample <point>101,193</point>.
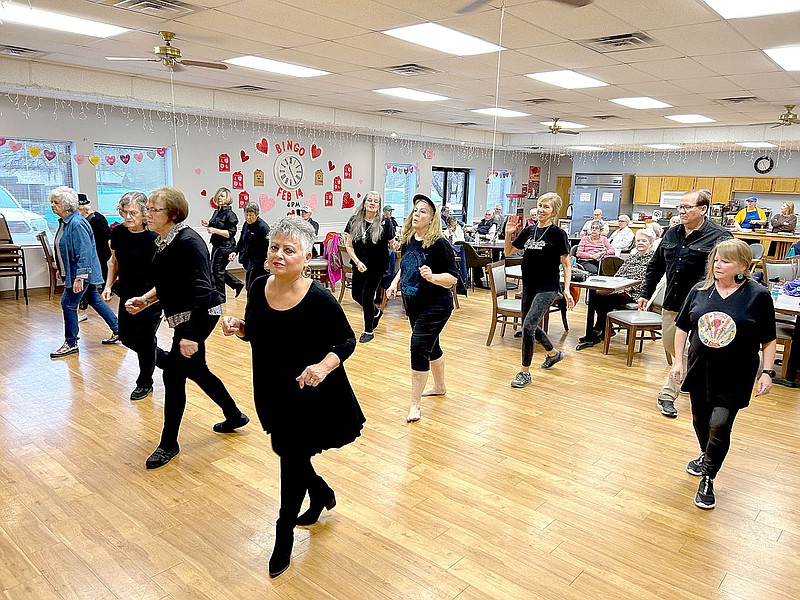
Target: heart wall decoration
<point>244,156</point>
<point>263,147</point>
<point>162,152</point>
<point>94,159</point>
<point>15,146</point>
<point>266,202</point>
<point>2,141</point>
<point>79,158</point>
<point>331,166</point>
<point>347,200</point>
<point>316,152</point>
<point>49,155</point>
<point>125,158</point>
<point>138,157</point>
<point>34,151</point>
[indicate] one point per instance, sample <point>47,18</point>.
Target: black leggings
<point>534,308</point>
<point>219,270</point>
<point>138,332</point>
<point>426,326</point>
<point>712,426</point>
<point>177,369</point>
<point>365,293</point>
<point>255,269</point>
<point>297,478</point>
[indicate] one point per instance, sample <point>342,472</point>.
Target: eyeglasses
<point>155,210</point>
<point>686,207</point>
<point>130,213</point>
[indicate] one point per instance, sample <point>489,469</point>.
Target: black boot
<point>282,552</point>
<point>323,499</point>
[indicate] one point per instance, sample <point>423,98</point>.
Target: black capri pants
<point>427,322</point>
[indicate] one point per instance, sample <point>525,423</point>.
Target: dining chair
<point>51,263</point>
<point>12,260</point>
<point>505,310</point>
<point>637,324</point>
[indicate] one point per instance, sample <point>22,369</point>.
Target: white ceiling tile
<point>218,20</point>
<point>569,56</point>
<point>571,23</point>
<point>712,85</point>
<point>770,31</point>
<point>734,63</point>
<point>657,14</point>
<point>675,68</point>
<point>753,81</point>
<point>717,37</point>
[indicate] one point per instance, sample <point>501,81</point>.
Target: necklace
<point>544,231</point>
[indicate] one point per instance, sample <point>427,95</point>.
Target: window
<point>450,187</point>
<point>399,187</point>
<point>128,168</point>
<point>499,186</point>
<point>29,169</point>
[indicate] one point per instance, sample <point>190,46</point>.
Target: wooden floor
<point>572,488</point>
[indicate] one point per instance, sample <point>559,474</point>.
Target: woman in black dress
<point>730,318</point>
<point>222,227</point>
<point>546,247</point>
<point>427,272</point>
<point>192,307</point>
<point>367,237</point>
<point>130,274</point>
<point>300,339</point>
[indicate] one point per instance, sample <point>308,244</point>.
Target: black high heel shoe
<point>311,516</point>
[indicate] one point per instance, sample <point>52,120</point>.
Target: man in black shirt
<point>682,256</point>
<point>387,214</point>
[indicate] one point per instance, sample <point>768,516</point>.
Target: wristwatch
<point>769,372</point>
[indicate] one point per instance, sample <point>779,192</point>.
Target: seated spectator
<point>597,215</point>
<point>794,250</point>
<point>675,220</point>
<point>622,239</point>
<point>453,233</point>
<point>786,221</point>
<point>592,248</point>
<point>634,267</point>
<point>532,218</point>
<point>658,231</point>
<point>486,229</point>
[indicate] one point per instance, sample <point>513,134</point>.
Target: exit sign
<point>428,154</point>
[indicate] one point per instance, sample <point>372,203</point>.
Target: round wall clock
<point>763,164</point>
<point>289,170</point>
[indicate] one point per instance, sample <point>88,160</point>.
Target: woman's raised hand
<point>511,225</point>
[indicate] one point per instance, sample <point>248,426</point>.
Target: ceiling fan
<point>478,3</point>
<point>170,56</point>
<point>555,128</point>
<point>786,119</point>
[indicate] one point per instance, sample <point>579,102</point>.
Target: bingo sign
<point>289,172</point>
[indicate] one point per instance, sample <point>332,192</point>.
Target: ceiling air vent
<point>410,70</point>
<point>605,117</point>
<point>19,51</point>
<point>466,124</point>
<point>250,88</point>
<point>740,99</point>
<point>166,9</point>
<point>390,111</point>
<point>617,43</point>
<point>536,101</point>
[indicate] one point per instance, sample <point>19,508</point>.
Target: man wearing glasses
<point>682,255</point>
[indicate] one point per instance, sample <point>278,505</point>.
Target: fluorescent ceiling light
<point>788,58</point>
<point>443,39</point>
<point>274,66</point>
<point>663,146</point>
<point>741,9</point>
<point>567,79</point>
<point>564,124</point>
<point>690,119</point>
<point>500,112</point>
<point>756,144</point>
<point>585,148</point>
<point>641,102</point>
<point>13,13</point>
<point>410,94</point>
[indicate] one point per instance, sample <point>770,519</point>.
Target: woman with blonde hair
<point>222,226</point>
<point>730,318</point>
<point>786,220</point>
<point>367,237</point>
<point>427,272</point>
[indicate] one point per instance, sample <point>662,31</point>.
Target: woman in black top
<point>730,317</point>
<point>300,339</point>
<point>102,234</point>
<point>130,274</point>
<point>367,236</point>
<point>222,227</point>
<point>252,246</point>
<point>192,308</point>
<point>545,246</point>
<point>427,272</point>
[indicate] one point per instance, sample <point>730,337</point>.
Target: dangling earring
<point>307,271</point>
<point>739,277</point>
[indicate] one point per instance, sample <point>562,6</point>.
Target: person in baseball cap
<point>306,212</point>
<point>750,217</point>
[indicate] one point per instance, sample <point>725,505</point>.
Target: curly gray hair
<point>66,196</point>
<point>297,229</point>
<point>251,207</point>
<point>137,198</point>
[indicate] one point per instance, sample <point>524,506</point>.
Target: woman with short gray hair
<point>623,238</point>
<point>252,246</point>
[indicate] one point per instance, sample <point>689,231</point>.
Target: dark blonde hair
<point>174,201</point>
<point>555,200</point>
<point>434,229</point>
<point>218,192</point>
<point>732,250</point>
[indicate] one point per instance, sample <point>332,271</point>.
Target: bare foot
<point>435,391</point>
<point>413,414</point>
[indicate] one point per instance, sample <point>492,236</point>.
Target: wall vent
<point>20,51</point>
<point>390,111</point>
<point>410,70</point>
<point>740,99</point>
<point>605,117</point>
<point>250,88</point>
<point>165,9</point>
<point>617,43</point>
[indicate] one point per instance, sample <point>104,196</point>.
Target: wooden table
<point>790,305</point>
<point>495,247</point>
<point>776,245</point>
<point>598,283</point>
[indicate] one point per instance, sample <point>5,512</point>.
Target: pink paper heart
<point>111,159</point>
<point>49,155</point>
<point>360,182</point>
<point>125,158</point>
<point>162,152</point>
<point>78,158</point>
<point>197,171</point>
<point>267,203</point>
<point>15,146</point>
<point>138,157</point>
<point>313,201</point>
<point>2,141</point>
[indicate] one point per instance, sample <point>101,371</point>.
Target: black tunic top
<point>726,335</point>
<point>102,233</point>
<point>284,342</point>
<point>544,247</point>
<point>134,253</point>
<point>224,218</point>
<point>253,243</point>
<point>374,256</point>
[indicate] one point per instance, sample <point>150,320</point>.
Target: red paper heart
<point>347,200</point>
<point>263,146</point>
<point>213,204</point>
<point>49,154</point>
<point>331,166</point>
<point>244,156</point>
<point>203,193</point>
<point>162,152</point>
<point>315,151</point>
<point>394,169</point>
<point>138,157</point>
<point>358,195</point>
<point>2,141</point>
<point>126,158</point>
<point>111,159</point>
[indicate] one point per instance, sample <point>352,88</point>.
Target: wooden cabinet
<point>784,185</point>
<point>742,184</point>
<point>653,191</point>
<point>761,184</point>
<point>671,184</point>
<point>704,183</point>
<point>647,190</point>
<point>685,184</point>
<point>640,189</point>
<point>721,192</point>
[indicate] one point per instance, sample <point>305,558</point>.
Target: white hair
<point>297,229</point>
<point>67,197</point>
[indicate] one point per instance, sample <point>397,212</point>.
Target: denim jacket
<point>77,251</point>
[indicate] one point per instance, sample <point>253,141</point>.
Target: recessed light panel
<point>410,94</point>
<point>443,39</point>
<point>742,9</point>
<point>690,119</point>
<point>641,102</point>
<point>24,15</point>
<point>274,66</point>
<point>500,112</point>
<point>663,146</point>
<point>564,124</point>
<point>756,144</point>
<point>586,148</point>
<point>567,79</point>
<point>788,57</point>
